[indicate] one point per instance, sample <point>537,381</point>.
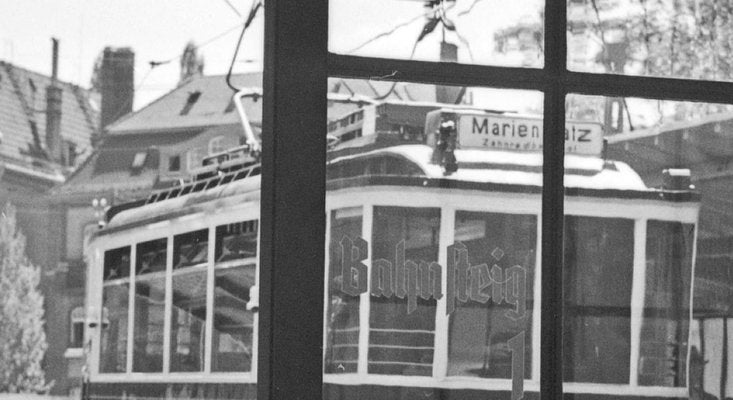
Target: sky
<point>158,31</point>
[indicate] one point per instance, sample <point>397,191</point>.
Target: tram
<point>432,271</point>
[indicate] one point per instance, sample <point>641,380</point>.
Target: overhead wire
<point>233,8</point>
<point>256,5</point>
<point>436,15</point>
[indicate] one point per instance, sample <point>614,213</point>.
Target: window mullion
<point>551,360</point>
<point>442,320</point>
<point>452,74</point>
<point>648,87</point>
<point>130,310</point>
<point>367,221</point>
<point>638,289</point>
<point>293,201</point>
<point>168,306</point>
<point>210,292</point>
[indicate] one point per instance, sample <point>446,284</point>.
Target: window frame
<point>168,231</point>
<point>296,66</point>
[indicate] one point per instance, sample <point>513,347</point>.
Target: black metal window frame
<point>296,66</point>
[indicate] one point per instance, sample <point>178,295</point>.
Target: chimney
<point>447,94</point>
<point>117,75</point>
<point>54,95</point>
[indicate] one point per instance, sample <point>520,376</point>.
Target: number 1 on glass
<point>516,345</point>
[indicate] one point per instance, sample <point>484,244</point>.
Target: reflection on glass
<point>114,313</point>
<point>113,352</point>
<point>402,342</point>
<point>151,257</point>
<point>231,345</point>
<point>342,316</point>
<point>479,332</point>
<point>598,275</point>
<point>665,328</point>
<point>233,325</point>
<point>466,31</point>
<point>149,306</point>
<point>117,264</point>
<point>667,38</point>
<point>188,320</point>
<point>190,248</point>
<point>681,153</point>
<point>236,241</point>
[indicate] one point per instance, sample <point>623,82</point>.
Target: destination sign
<point>523,133</point>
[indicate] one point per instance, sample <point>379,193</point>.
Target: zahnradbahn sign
<point>487,131</point>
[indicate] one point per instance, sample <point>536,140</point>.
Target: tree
<point>22,339</point>
<point>668,38</point>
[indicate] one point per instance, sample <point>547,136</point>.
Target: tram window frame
<point>297,64</point>
<point>174,235</point>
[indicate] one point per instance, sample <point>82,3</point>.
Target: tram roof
<point>206,201</point>
<point>478,169</point>
<point>514,168</point>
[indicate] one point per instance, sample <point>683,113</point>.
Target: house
<point>47,129</point>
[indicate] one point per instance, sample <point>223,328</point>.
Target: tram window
<point>113,349</point>
<point>231,344</point>
<point>149,307</point>
<point>114,312</point>
<point>188,313</point>
<point>479,332</point>
<point>190,248</point>
<point>236,241</point>
<point>342,315</point>
<point>402,342</point>
<point>665,324</point>
<point>598,274</point>
<point>188,320</point>
<point>117,263</point>
<point>151,257</point>
<point>233,325</point>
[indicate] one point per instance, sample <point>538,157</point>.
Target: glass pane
<point>401,336</point>
<point>666,38</point>
<point>234,302</point>
<point>433,213</point>
<point>236,241</point>
<point>464,31</point>
<point>503,305</point>
<point>117,264</point>
<point>149,307</point>
<point>190,249</point>
<point>233,319</point>
<point>597,283</point>
<point>654,264</point>
<point>188,320</point>
<point>113,351</point>
<point>666,325</point>
<point>342,315</point>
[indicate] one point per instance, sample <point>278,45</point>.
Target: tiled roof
<point>182,108</point>
<point>22,105</point>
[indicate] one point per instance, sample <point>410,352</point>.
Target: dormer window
<point>139,161</point>
<point>193,97</point>
<point>216,145</point>
<point>174,163</point>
